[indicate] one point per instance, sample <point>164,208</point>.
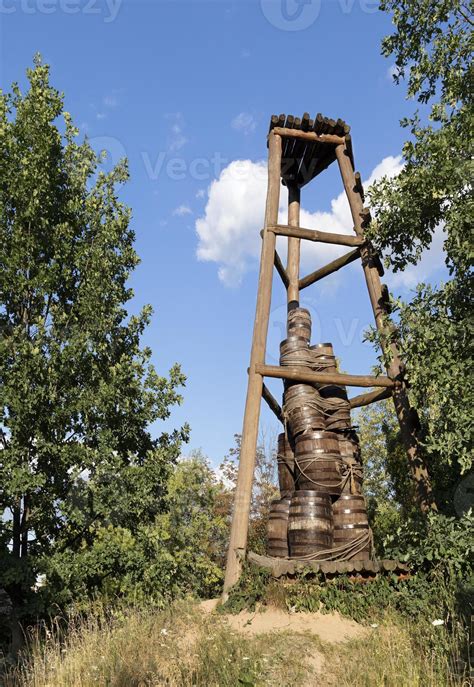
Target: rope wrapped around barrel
<point>339,553</point>
<point>298,317</point>
<point>350,473</point>
<point>343,552</point>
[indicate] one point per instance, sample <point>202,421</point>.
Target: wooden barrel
<point>286,466</point>
<point>310,523</point>
<point>321,471</point>
<point>277,528</point>
<point>294,351</point>
<point>349,446</point>
<point>323,358</point>
<point>299,323</point>
<point>301,410</point>
<point>317,442</point>
<point>350,522</point>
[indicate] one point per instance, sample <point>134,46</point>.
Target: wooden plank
<point>318,236</point>
<point>281,567</point>
<point>293,261</point>
<point>243,490</point>
<point>330,268</point>
<point>407,416</point>
<point>371,397</point>
<point>281,270</point>
<point>298,374</point>
<point>272,403</point>
<point>309,136</point>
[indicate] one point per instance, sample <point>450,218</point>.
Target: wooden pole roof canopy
<point>308,145</point>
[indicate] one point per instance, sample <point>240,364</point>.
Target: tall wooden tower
<point>298,151</point>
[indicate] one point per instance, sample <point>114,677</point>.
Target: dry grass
<point>392,657</point>
<point>184,647</point>
<point>176,648</point>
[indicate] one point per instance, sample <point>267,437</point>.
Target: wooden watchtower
<point>298,151</point>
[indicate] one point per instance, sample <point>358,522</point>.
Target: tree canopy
<point>77,390</point>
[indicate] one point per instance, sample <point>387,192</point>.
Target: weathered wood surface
<point>308,145</point>
<point>280,567</point>
<point>370,397</point>
<point>318,236</point>
<point>299,375</point>
<point>309,136</point>
<point>330,268</point>
<point>272,403</point>
<point>407,416</point>
<point>293,261</point>
<point>281,270</point>
<point>243,490</point>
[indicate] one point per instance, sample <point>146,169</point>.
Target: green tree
<point>387,486</point>
<point>180,551</point>
<point>77,391</point>
<point>432,47</point>
<point>264,488</point>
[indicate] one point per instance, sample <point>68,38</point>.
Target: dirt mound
<point>330,627</point>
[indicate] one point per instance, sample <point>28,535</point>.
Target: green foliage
<point>438,543</point>
<point>178,553</point>
<point>80,471</point>
<point>432,47</point>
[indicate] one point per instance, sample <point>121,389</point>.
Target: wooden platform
<point>280,567</point>
<point>303,160</point>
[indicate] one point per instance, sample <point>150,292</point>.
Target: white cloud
<point>244,122</point>
<point>229,231</point>
<point>391,72</point>
<point>432,260</point>
<point>176,137</point>
<point>110,100</point>
<point>182,210</point>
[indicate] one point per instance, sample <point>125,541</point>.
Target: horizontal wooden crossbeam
<point>370,397</point>
<point>314,235</point>
<point>296,374</point>
<point>281,270</point>
<point>309,135</point>
<point>272,403</point>
<point>329,268</point>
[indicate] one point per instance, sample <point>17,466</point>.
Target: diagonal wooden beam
<point>318,236</point>
<point>272,403</point>
<point>281,270</point>
<point>370,397</point>
<point>328,269</point>
<point>298,374</point>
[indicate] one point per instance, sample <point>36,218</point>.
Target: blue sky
<point>185,90</point>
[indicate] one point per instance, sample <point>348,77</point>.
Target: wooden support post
<point>370,397</point>
<point>243,490</point>
<point>293,262</point>
<point>299,374</point>
<point>331,267</point>
<point>407,416</point>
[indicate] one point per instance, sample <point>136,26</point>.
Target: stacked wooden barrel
<point>321,510</point>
